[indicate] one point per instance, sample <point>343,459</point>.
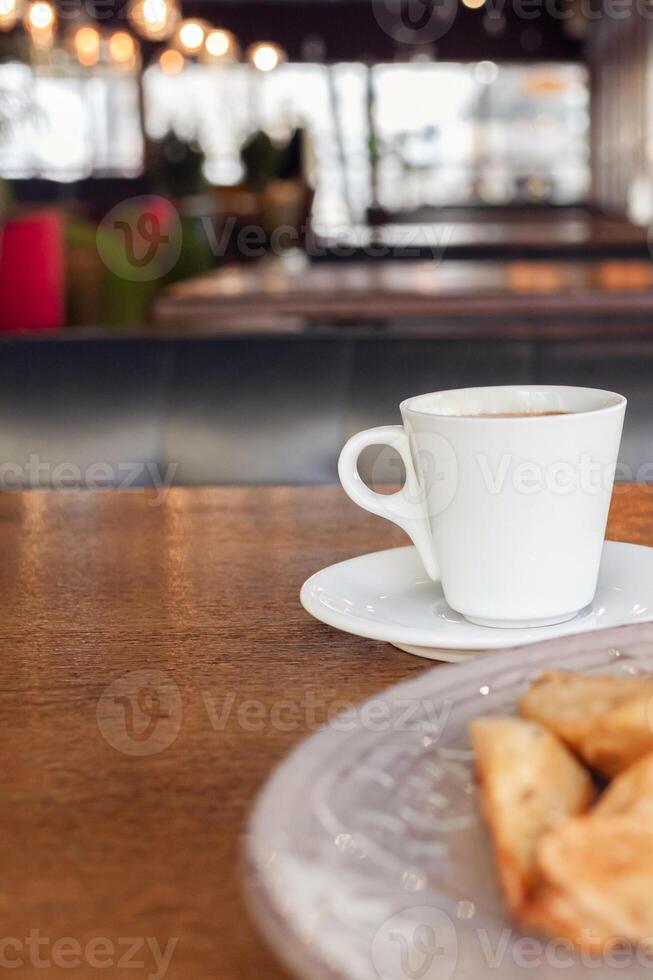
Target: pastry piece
<point>608,721</point>
<point>529,782</point>
<point>556,914</point>
<point>596,882</point>
<point>630,792</point>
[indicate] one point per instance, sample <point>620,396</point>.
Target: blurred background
<point>234,233</point>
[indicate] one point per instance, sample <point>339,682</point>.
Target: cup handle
<point>406,507</point>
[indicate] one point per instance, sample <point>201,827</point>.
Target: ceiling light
<point>40,16</point>
<point>219,43</point>
<point>171,61</point>
<point>265,56</point>
<point>9,14</point>
<point>123,49</point>
<point>190,36</point>
<point>154,20</point>
<point>86,44</point>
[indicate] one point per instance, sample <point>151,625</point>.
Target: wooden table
<point>555,235</point>
<point>199,592</point>
<point>273,289</point>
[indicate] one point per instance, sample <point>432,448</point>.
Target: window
<point>403,135</point>
<point>69,126</point>
<point>443,133</point>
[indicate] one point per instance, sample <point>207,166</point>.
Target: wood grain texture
<point>202,587</point>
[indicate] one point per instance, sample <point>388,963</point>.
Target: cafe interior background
<point>235,232</point>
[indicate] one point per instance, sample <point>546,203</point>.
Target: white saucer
<point>388,596</point>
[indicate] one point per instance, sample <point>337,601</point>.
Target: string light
<point>40,16</point>
<point>86,44</point>
<point>9,14</point>
<point>123,50</point>
<point>220,44</point>
<point>190,36</point>
<point>155,20</point>
<point>265,56</point>
<point>40,21</point>
<point>171,61</point>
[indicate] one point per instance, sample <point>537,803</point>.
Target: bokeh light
<point>155,20</point>
<point>190,36</point>
<point>9,14</point>
<point>123,49</point>
<point>265,56</point>
<point>171,61</point>
<point>219,43</point>
<point>40,16</point>
<point>86,44</point>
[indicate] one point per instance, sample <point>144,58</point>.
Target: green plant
<point>177,166</point>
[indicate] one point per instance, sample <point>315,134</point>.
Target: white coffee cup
<point>508,512</point>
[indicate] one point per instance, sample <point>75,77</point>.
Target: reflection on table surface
<point>373,290</point>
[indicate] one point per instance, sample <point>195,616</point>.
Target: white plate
<point>367,845</point>
<point>388,596</point>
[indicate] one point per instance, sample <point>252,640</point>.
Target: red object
<point>32,272</point>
